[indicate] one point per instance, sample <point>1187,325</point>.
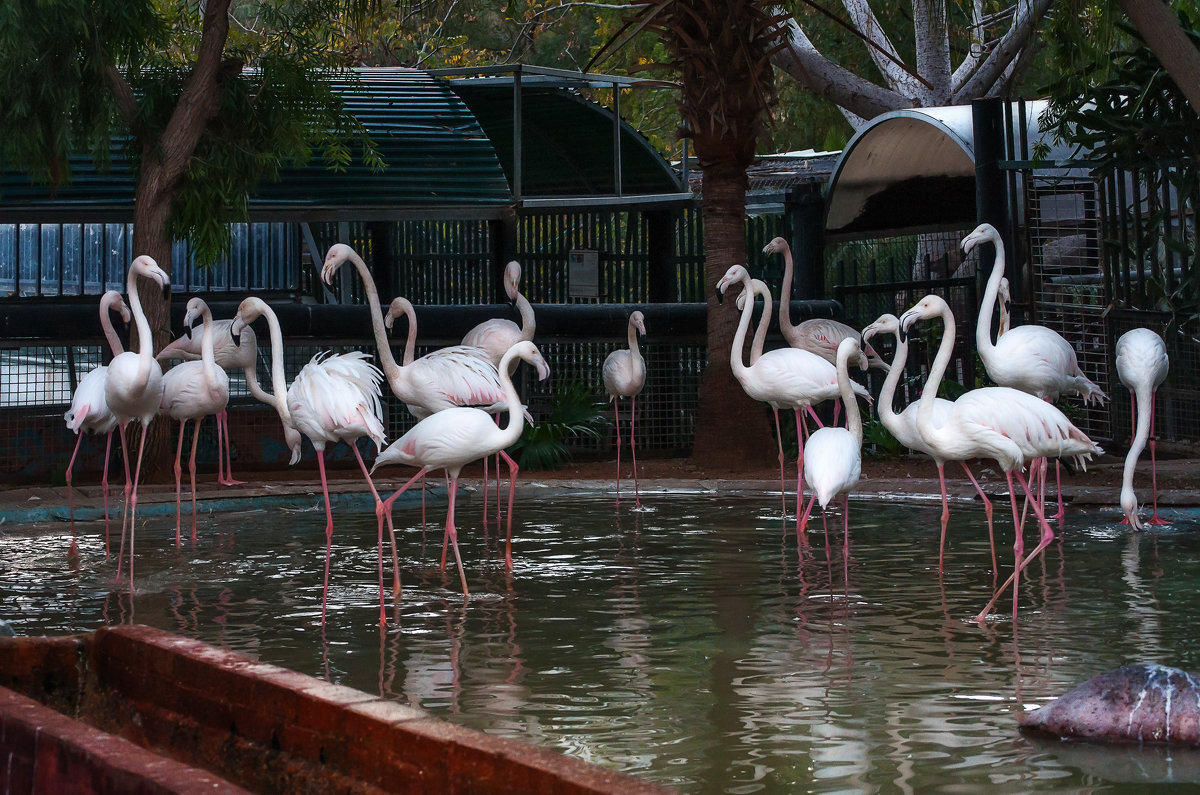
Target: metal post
<point>807,208</point>
<point>616,109</point>
<point>991,188</point>
<point>517,133</point>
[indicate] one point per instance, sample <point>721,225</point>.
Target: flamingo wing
<point>338,397</point>
<point>494,336</point>
<point>448,439</point>
<point>89,410</point>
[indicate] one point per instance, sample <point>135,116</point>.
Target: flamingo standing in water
<point>903,426</point>
<point>452,438</point>
<point>228,356</point>
<point>89,411</point>
<point>833,456</point>
<point>1033,359</point>
<point>1142,366</point>
<point>782,378</point>
<point>1004,424</point>
<point>334,398</point>
<point>134,388</point>
<point>191,392</point>
<point>624,375</point>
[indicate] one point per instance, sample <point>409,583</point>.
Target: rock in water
<point>1135,703</point>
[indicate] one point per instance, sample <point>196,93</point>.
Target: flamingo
<point>782,378</point>
<point>833,456</point>
<point>192,391</point>
<point>624,375</point>
<point>89,412</point>
<point>228,356</point>
<point>497,335</point>
<point>1004,302</point>
<point>1001,423</point>
<point>1142,366</point>
<point>818,335</point>
<point>903,426</point>
<point>134,388</point>
<point>1031,358</point>
<point>452,438</point>
<point>335,397</point>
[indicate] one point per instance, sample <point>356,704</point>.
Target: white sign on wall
<point>583,273</point>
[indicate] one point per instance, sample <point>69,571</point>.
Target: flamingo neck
<point>785,296</point>
<point>278,380</point>
<point>528,322</point>
<point>207,355</point>
<point>764,322</point>
<point>145,340</point>
<point>983,325</point>
<point>410,343</point>
<point>110,333</point>
<point>853,415</point>
<point>1141,434</point>
<point>390,368</point>
<point>887,395</point>
<point>512,402</point>
<point>634,350</point>
<point>936,373</point>
<point>739,337</point>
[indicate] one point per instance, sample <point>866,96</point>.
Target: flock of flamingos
<point>459,393</point>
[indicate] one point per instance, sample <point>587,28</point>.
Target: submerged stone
<point>1135,703</point>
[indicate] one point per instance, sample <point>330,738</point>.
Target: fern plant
<point>575,412</point>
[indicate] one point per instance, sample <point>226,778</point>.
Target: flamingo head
<point>526,351</point>
<point>757,287</point>
<point>337,254</point>
<point>1129,507</point>
<point>638,321</point>
<point>399,306</point>
<point>1004,294</point>
<point>249,310</point>
<point>145,266</point>
<point>850,349</point>
<point>984,233</point>
<point>887,323</point>
<point>112,300</point>
<point>777,246</point>
<point>194,316</point>
<point>928,307</point>
<point>292,438</point>
<point>512,280</point>
<point>736,273</point>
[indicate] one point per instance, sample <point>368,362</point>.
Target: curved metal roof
<point>446,156</point>
<point>915,168</point>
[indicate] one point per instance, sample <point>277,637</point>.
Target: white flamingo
<point>133,390</point>
<point>818,335</point>
<point>903,426</point>
<point>454,437</point>
<point>191,392</point>
<point>833,456</point>
<point>1004,424</point>
<point>1031,358</point>
<point>228,356</point>
<point>89,411</point>
<point>1004,302</point>
<point>497,335</point>
<point>624,375</point>
<point>1142,366</point>
<point>333,398</point>
<point>782,378</point>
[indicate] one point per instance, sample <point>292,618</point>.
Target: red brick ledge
<point>265,728</point>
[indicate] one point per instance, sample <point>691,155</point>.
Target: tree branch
<point>994,66</point>
<point>1158,27</point>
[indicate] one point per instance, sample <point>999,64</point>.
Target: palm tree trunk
<point>730,428</point>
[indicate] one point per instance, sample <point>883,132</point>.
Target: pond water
<point>691,644</point>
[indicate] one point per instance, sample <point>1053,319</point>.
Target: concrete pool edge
<point>103,701</point>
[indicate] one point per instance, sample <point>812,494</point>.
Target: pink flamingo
<point>90,413</point>
<point>334,398</point>
<point>191,392</point>
<point>624,375</point>
<point>497,335</point>
<point>133,390</point>
<point>1031,358</point>
<point>903,426</point>
<point>1142,366</point>
<point>454,437</point>
<point>1004,424</point>
<point>229,356</point>
<point>782,378</point>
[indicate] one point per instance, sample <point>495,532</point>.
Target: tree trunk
<point>1158,26</point>
<point>731,429</point>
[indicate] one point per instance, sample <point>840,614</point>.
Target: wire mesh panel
<point>1068,292</point>
<point>1177,414</point>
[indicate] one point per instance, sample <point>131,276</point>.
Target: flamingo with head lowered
<point>497,335</point>
<point>1031,358</point>
<point>334,398</point>
<point>89,411</point>
<point>1004,424</point>
<point>782,378</point>
<point>134,388</point>
<point>1142,366</point>
<point>452,438</point>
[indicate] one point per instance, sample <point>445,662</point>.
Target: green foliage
<point>575,411</point>
<point>880,440</point>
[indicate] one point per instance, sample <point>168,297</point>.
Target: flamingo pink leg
<point>223,425</point>
<point>70,494</point>
<point>328,530</point>
<point>637,497</point>
<point>379,542</point>
<point>137,476</point>
<point>178,476</point>
<point>386,507</point>
<point>801,438</point>
<point>987,509</point>
<point>941,468</point>
<point>125,509</point>
<point>513,469</point>
<point>617,424</point>
<point>192,474</point>
<point>1155,519</point>
<point>813,414</point>
<point>782,486</point>
<point>1021,562</point>
<point>1062,513</point>
<point>802,525</point>
<point>846,541</point>
<point>452,533</point>
<point>104,485</point>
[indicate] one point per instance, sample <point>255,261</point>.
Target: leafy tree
<point>206,100</point>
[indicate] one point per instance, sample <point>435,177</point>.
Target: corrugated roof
<point>446,156</point>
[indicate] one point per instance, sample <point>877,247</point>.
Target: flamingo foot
<point>231,482</point>
<point>1157,520</point>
